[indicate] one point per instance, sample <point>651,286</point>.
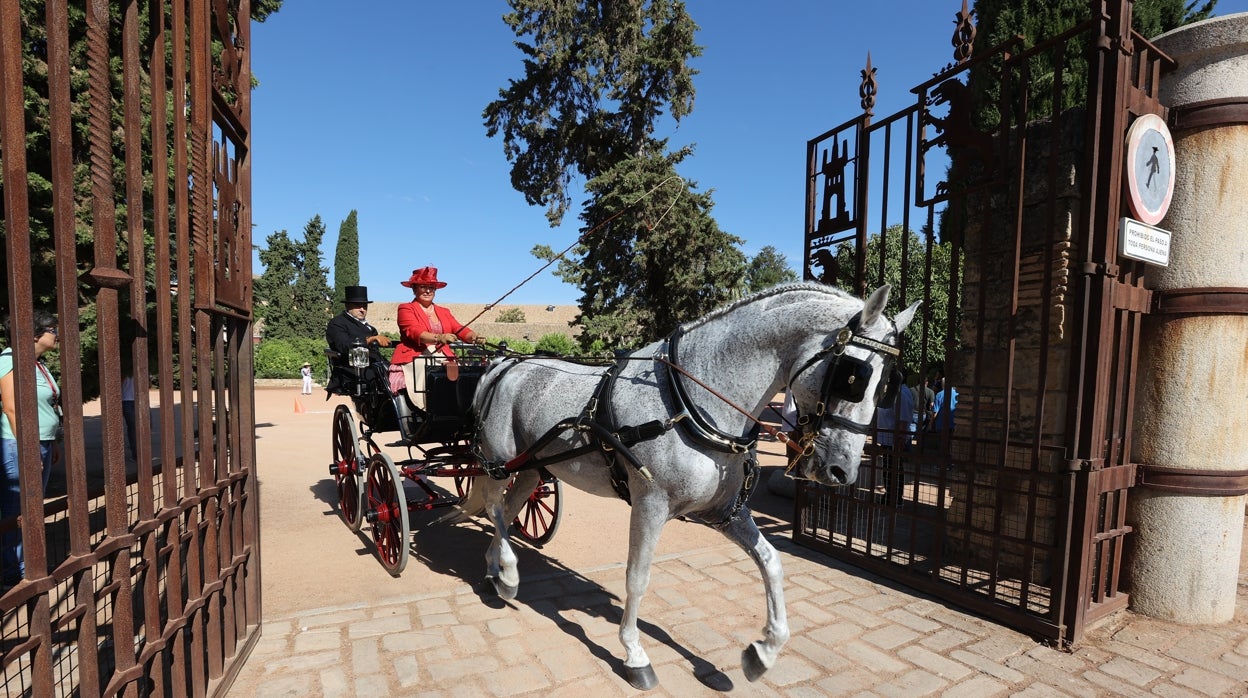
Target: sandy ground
<point>310,559</point>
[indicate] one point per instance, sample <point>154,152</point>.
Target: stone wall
<point>539,321</point>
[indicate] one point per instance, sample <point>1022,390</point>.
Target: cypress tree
<point>347,257</point>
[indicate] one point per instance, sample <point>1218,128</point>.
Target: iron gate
<point>126,176</point>
<point>1014,504</point>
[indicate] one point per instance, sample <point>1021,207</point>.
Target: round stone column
<point>1191,414</point>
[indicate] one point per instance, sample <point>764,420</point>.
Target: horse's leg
<point>646,522</point>
<point>760,655</point>
<point>522,485</point>
<point>500,559</point>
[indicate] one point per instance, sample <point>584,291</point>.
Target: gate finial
<point>963,35</point>
<point>868,88</point>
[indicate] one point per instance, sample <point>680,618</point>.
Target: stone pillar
<point>1191,416</point>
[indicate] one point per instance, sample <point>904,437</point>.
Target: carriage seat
<point>441,412</point>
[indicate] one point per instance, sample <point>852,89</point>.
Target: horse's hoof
<point>506,592</point>
<point>641,678</point>
<point>752,663</point>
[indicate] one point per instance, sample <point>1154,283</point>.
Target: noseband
<point>846,379</point>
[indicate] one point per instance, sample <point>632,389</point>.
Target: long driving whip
<point>578,241</point>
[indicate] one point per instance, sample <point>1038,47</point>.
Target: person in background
<point>894,431</point>
<point>306,372</point>
<point>924,404</point>
<point>48,415</point>
<point>127,412</point>
<point>946,405</point>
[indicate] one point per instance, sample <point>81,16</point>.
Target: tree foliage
<point>38,136</point>
<point>926,278</point>
<point>598,76</point>
<point>282,358</point>
<point>766,269</point>
<point>347,256</point>
<point>999,20</point>
<point>654,257</point>
<point>292,295</point>
<point>511,315</point>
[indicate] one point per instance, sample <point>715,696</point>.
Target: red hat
<point>424,276</point>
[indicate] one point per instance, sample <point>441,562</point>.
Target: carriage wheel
<point>538,521</point>
<point>387,512</point>
<point>347,468</point>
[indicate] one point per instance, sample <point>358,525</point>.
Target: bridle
<point>846,379</point>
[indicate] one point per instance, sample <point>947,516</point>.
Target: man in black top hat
<point>349,327</point>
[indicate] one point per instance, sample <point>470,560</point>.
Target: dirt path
<point>310,559</point>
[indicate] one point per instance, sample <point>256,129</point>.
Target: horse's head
<point>837,390</point>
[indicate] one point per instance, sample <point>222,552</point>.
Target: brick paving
<point>430,633</point>
<point>852,634</point>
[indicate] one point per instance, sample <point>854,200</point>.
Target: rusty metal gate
<point>1002,217</point>
<point>126,181</point>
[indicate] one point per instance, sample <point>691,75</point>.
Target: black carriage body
<point>447,405</point>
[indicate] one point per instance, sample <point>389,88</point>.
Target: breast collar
<point>697,426</point>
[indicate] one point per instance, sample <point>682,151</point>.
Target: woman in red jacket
<point>425,330</point>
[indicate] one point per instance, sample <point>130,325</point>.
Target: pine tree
<point>346,257</point>
<point>768,268</point>
<point>292,295</point>
<point>598,75</point>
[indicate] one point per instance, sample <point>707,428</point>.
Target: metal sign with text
<point>1143,242</point>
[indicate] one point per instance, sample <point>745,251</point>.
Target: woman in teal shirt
<point>48,399</point>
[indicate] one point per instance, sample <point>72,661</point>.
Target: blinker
<point>849,379</point>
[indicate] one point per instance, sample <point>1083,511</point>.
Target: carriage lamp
<point>358,357</point>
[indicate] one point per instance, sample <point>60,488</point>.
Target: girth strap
<point>594,420</point>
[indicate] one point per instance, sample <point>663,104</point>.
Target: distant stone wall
<point>538,323</point>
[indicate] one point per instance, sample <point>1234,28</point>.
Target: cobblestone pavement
<point>852,634</point>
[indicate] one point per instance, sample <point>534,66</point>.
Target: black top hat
<point>356,294</point>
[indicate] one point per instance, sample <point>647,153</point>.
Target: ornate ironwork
<point>964,35</point>
<point>868,87</point>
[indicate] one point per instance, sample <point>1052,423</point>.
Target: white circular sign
<point>1150,169</point>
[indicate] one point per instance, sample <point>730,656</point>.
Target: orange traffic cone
<point>298,407</point>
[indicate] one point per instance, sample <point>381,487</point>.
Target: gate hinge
<point>1098,269</point>
<point>1079,464</point>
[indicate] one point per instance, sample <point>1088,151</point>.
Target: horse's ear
<point>903,319</point>
<point>873,309</point>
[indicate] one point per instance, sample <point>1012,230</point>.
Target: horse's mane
<point>763,295</point>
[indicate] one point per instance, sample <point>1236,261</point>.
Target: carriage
<point>377,490</point>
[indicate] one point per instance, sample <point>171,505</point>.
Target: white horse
<point>689,452</point>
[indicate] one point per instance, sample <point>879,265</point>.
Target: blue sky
<point>376,106</point>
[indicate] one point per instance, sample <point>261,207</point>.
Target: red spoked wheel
<point>347,468</point>
<point>538,521</point>
<point>387,513</point>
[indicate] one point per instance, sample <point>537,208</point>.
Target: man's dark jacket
<point>343,332</point>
